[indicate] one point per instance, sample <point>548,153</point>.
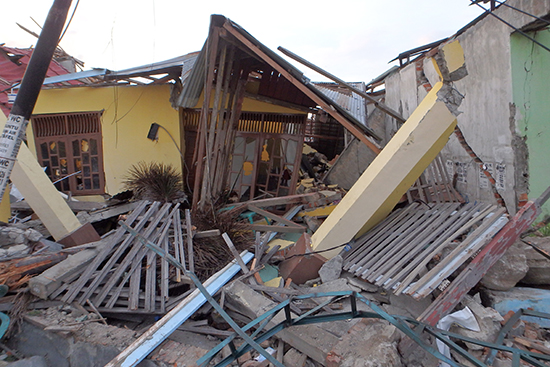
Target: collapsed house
<point>241,120</point>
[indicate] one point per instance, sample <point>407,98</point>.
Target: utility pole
<point>16,125</point>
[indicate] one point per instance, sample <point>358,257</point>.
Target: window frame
<point>58,137</point>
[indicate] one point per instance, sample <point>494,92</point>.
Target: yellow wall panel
<point>128,114</point>
<point>389,176</point>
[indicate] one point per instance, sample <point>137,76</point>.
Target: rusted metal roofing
<point>350,101</point>
<point>13,63</point>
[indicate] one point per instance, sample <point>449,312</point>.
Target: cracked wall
<point>487,120</point>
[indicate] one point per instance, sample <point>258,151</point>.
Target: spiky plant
<point>154,181</point>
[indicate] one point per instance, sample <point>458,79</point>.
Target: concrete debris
<point>79,334</point>
<point>538,265</point>
<point>488,319</point>
<point>11,236</point>
<point>34,361</point>
<point>508,270</point>
<point>381,220</point>
<point>51,279</point>
<point>332,269</point>
<point>519,297</point>
<point>381,339</point>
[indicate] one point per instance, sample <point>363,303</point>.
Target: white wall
<point>488,117</point>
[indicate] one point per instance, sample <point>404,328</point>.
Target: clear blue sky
<point>353,39</point>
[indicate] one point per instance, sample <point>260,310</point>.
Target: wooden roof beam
<point>304,89</point>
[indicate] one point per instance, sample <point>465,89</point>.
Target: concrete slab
<point>311,340</point>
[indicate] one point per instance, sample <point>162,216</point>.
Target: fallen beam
<point>152,338</point>
<point>389,176</point>
<point>477,268</point>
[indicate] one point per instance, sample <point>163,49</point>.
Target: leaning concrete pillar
<point>400,163</point>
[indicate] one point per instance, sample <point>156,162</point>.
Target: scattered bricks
<point>507,317</point>
<point>333,360</point>
<point>530,331</point>
<point>522,199</point>
<point>516,298</point>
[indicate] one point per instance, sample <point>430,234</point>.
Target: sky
<point>352,39</point>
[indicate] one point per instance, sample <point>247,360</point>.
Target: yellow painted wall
<point>389,176</point>
<point>128,114</point>
<point>5,210</point>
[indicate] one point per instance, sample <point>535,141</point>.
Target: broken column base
<point>301,265</point>
<point>84,234</point>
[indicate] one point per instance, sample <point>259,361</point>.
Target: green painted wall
<point>531,85</point>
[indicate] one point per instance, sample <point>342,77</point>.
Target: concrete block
<point>42,196</point>
<point>508,270</point>
<point>489,321</point>
<point>411,306</point>
<point>516,298</point>
<point>381,338</point>
<point>394,170</point>
<point>311,340</point>
<point>539,266</point>
<point>359,283</point>
<point>332,269</point>
<point>51,279</point>
<point>80,236</point>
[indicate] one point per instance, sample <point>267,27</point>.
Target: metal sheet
<point>145,344</point>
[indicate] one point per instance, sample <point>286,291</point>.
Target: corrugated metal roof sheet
<point>161,67</point>
<point>353,103</point>
<point>13,63</point>
<point>192,78</point>
<point>195,83</point>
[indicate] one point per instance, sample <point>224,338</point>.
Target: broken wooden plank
<point>277,218</point>
<point>275,228</point>
<point>112,211</point>
<point>75,206</point>
<point>438,246</point>
<point>467,248</point>
<point>189,228</point>
<point>477,268</point>
<point>76,287</point>
<point>209,233</point>
<point>147,342</point>
<point>280,200</point>
<point>235,253</point>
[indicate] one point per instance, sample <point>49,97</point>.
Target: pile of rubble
<point>108,301</point>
